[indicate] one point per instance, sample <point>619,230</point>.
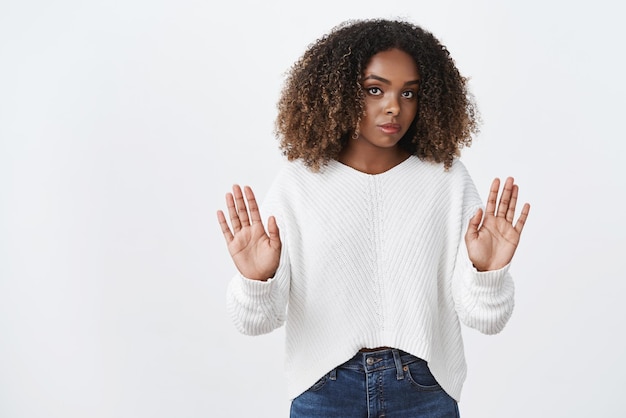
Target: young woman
<point>384,247</point>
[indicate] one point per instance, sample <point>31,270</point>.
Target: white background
<point>123,123</point>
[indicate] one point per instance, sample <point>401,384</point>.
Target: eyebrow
<point>384,80</point>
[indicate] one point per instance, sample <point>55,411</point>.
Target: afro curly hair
<point>322,100</point>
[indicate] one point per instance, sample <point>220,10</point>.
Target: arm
<point>482,287</point>
<point>484,300</point>
<point>258,307</point>
<point>257,296</point>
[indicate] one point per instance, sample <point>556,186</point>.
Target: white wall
<point>123,123</point>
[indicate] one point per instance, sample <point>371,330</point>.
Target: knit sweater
<point>370,261</point>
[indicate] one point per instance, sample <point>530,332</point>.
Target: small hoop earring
<point>355,135</point>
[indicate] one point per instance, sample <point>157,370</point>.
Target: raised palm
<point>256,254</point>
<point>492,240</point>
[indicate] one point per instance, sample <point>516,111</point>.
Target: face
<point>390,82</point>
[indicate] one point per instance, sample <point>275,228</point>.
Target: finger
<point>519,225</point>
<point>493,197</point>
<point>255,216</point>
<point>242,210</point>
<point>510,213</point>
<point>272,229</point>
<point>232,212</point>
<point>228,235</point>
<point>505,198</point>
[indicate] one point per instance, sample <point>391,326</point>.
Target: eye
<point>408,94</point>
<point>374,91</point>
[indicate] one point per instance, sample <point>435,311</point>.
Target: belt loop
<point>333,374</point>
<point>398,361</point>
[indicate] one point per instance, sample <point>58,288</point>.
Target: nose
<point>392,106</point>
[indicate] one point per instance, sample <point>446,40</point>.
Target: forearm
<point>256,307</point>
<point>484,300</point>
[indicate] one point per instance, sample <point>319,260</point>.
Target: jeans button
<point>369,361</point>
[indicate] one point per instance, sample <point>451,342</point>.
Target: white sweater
<point>371,261</point>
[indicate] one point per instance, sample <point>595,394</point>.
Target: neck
<point>372,160</point>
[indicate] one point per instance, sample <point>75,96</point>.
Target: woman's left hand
<point>492,240</point>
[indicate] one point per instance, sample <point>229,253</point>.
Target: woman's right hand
<point>256,253</point>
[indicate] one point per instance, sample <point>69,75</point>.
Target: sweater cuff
<point>492,279</point>
<point>256,289</point>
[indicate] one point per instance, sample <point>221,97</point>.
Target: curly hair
<point>322,100</point>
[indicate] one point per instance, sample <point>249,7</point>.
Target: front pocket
<point>419,375</point>
<point>319,384</point>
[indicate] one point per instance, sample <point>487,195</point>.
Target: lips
<point>390,128</point>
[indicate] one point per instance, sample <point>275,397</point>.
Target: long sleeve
<point>258,307</point>
<point>483,300</point>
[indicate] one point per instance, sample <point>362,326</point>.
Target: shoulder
<point>455,185</point>
<point>458,170</point>
<point>464,184</point>
<point>293,173</point>
<point>289,181</point>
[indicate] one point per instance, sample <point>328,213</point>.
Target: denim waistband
<point>380,360</point>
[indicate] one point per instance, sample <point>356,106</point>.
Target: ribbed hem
<point>491,280</point>
<point>256,289</point>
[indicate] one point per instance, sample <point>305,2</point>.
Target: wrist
<point>488,268</point>
<point>258,278</point>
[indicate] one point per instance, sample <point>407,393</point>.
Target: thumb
<point>474,223</point>
<point>272,229</point>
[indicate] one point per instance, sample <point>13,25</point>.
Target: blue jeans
<point>386,383</point>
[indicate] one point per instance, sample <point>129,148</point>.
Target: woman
<point>384,247</point>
